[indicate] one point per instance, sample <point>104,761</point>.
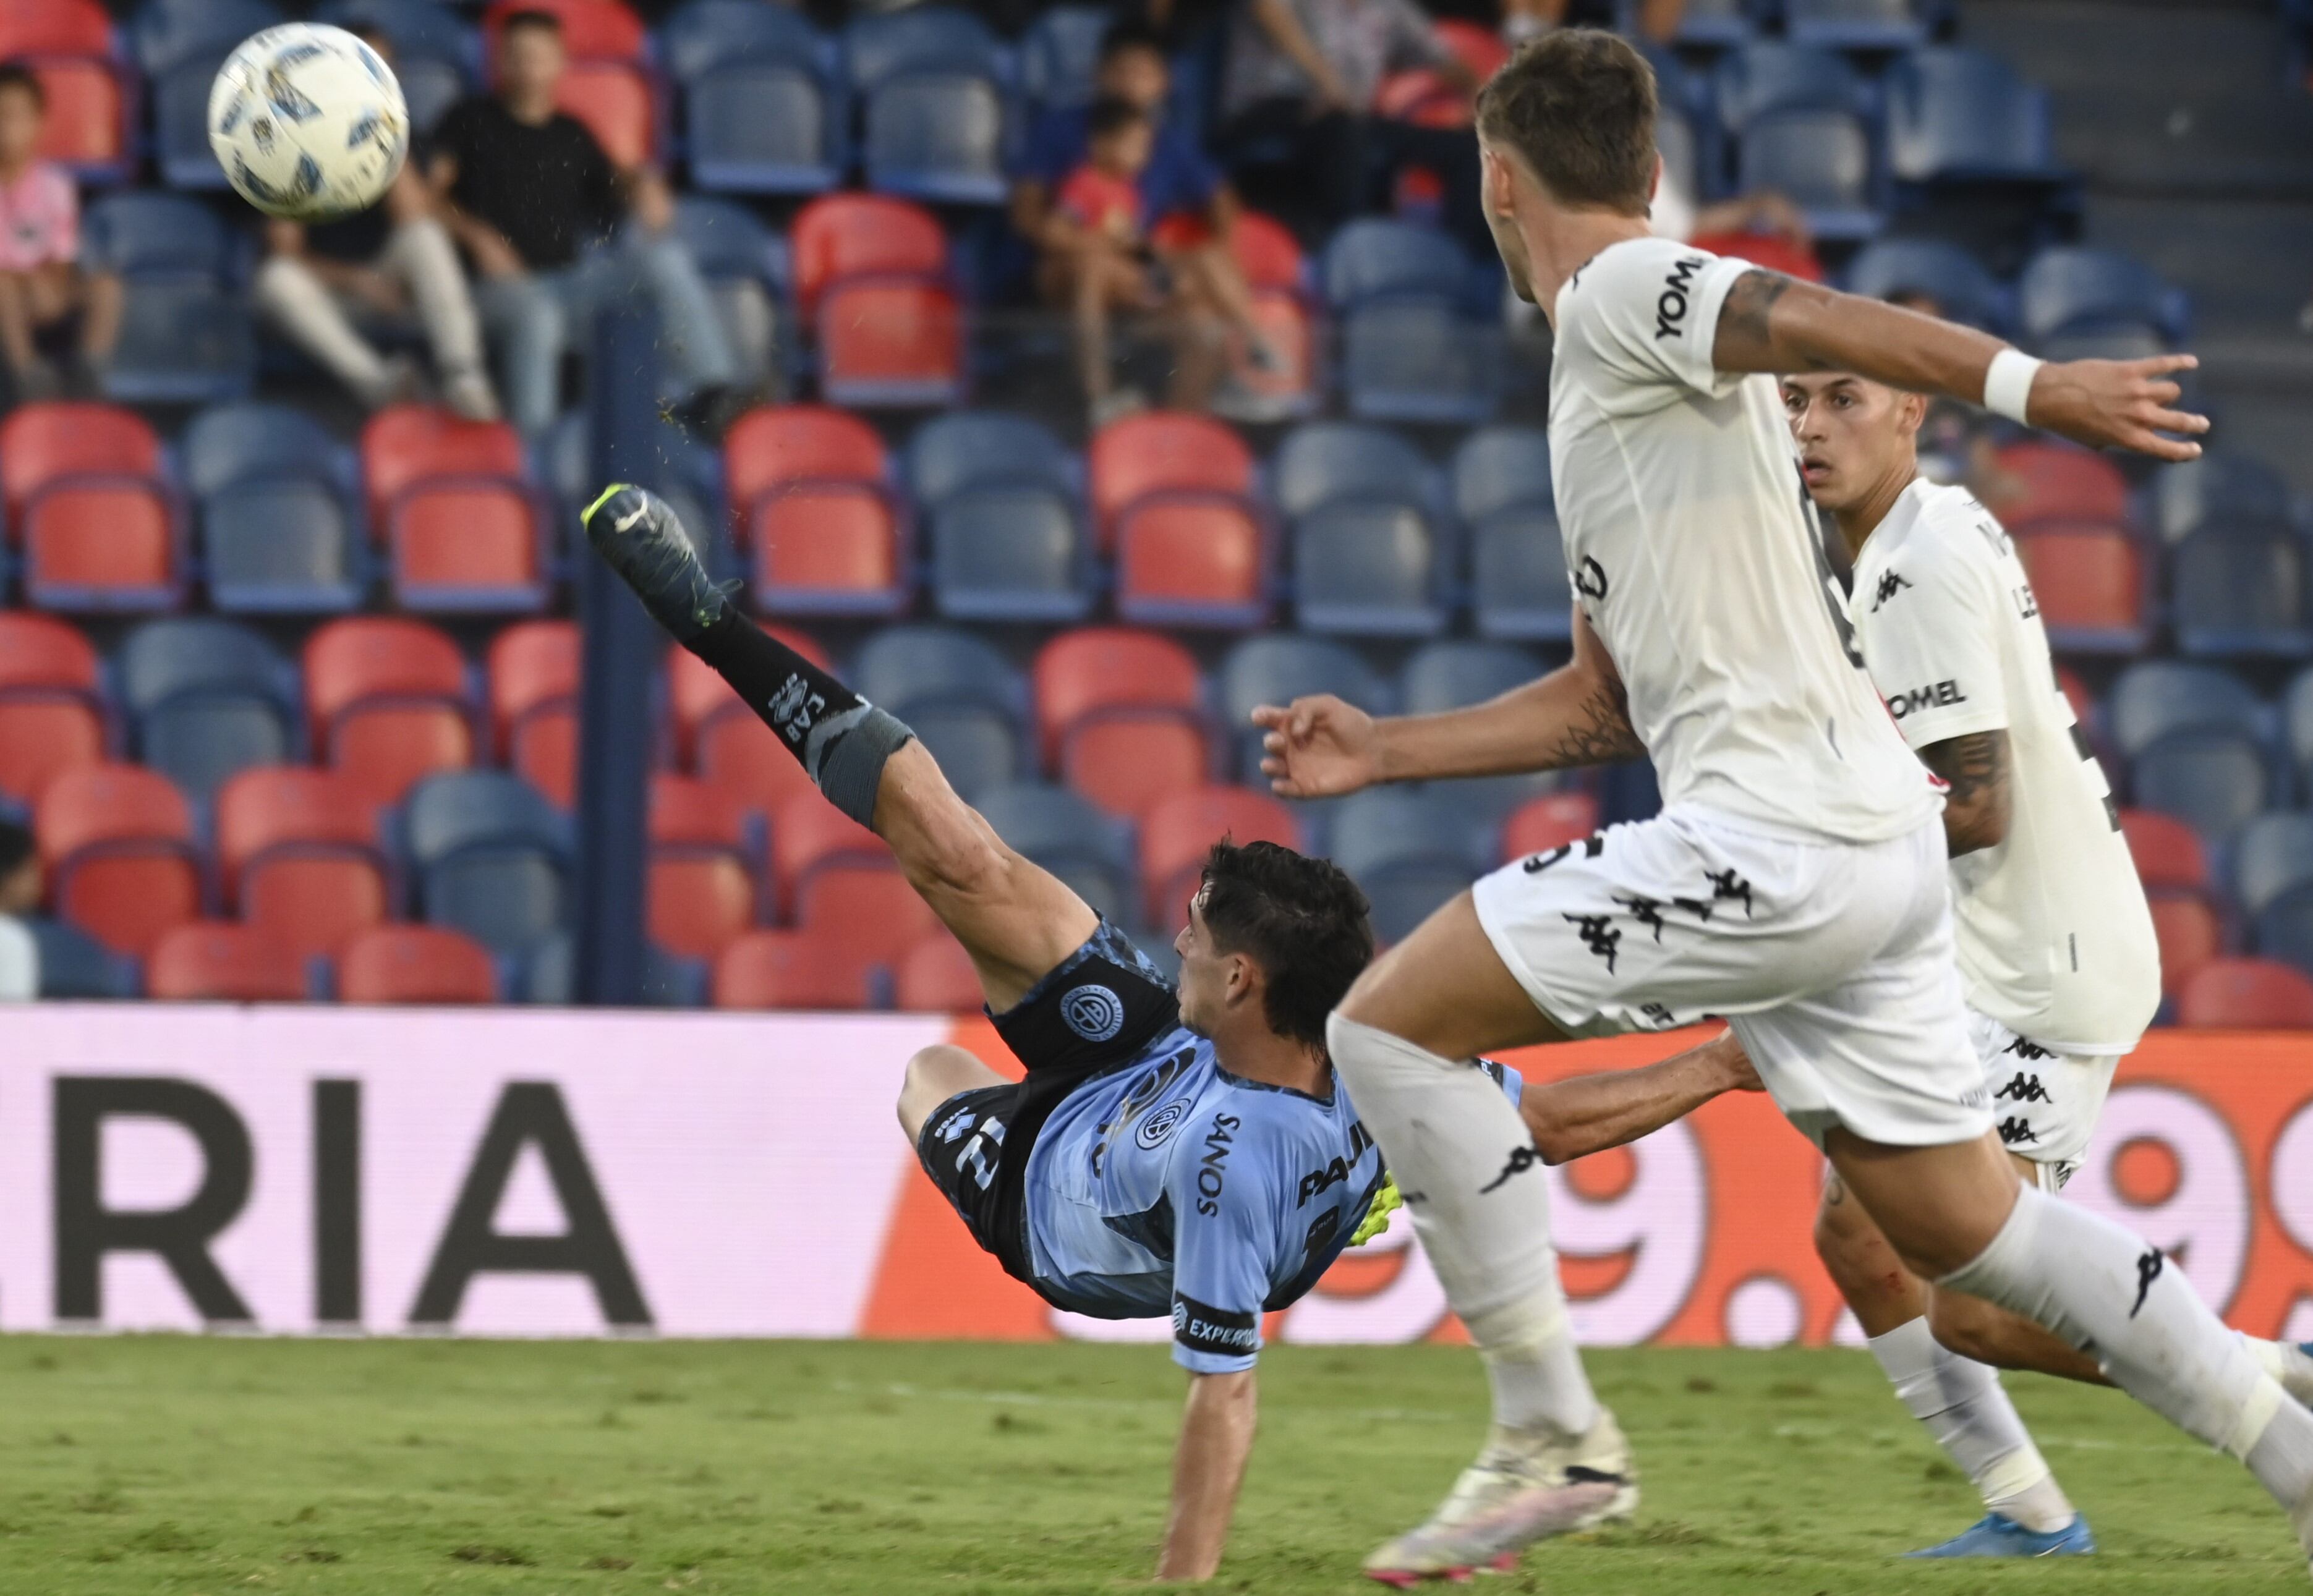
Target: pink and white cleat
<point>1526,1486</point>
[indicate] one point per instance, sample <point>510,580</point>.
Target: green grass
<point>216,1465</point>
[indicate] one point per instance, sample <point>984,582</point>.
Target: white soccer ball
<point>308,122</point>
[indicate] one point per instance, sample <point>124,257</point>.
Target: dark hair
<point>518,20</point>
<point>1302,920</point>
<point>15,838</point>
<point>15,75</point>
<point>1579,107</point>
<point>1112,114</point>
<point>1130,33</point>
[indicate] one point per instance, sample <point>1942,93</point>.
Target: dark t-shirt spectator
<point>549,189</point>
<point>1177,178</point>
<point>359,239</point>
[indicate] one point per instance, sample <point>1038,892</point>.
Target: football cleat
<point>1526,1485</point>
<point>2297,1371</point>
<point>1996,1535</point>
<point>644,542</point>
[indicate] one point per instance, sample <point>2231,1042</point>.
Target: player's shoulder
<point>1936,538</point>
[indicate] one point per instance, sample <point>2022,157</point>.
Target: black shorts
<point>1100,1009</point>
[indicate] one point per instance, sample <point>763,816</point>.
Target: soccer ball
<point>308,122</point>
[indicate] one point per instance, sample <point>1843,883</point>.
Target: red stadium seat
<point>43,442</point>
<point>592,30</point>
<point>871,278</point>
<point>2245,995</point>
<point>937,977</point>
<point>1164,451</point>
<point>850,235</point>
<point>298,856</point>
<point>451,499</point>
<point>2050,481</point>
<point>1550,822</point>
<point>2089,583</point>
<point>387,698</point>
<point>1177,833</point>
<point>806,486</point>
<point>1120,716</point>
<point>413,964</point>
<point>85,126</point>
<point>87,503</point>
<point>809,835</point>
<point>404,445</point>
<point>700,697</point>
<point>215,961</point>
<point>2168,852</point>
<point>50,715</point>
<point>2190,933</point>
<point>870,911</point>
<point>1282,307</point>
<point>117,843</point>
<point>533,691</point>
<point>54,27</point>
<point>789,969</point>
<point>613,99</point>
<point>703,887</point>
<point>1480,49</point>
<point>1193,560</point>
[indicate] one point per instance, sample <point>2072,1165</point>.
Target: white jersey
<point>2055,939</point>
<point>1695,559</point>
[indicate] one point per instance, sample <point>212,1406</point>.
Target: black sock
<point>841,740</point>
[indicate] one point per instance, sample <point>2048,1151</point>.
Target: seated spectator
<point>42,286</point>
<point>20,897</point>
<point>555,232</point>
<point>1298,129</point>
<point>1147,196</point>
<point>384,261</point>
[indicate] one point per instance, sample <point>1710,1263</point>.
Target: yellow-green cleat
<point>644,542</point>
<point>1385,1202</point>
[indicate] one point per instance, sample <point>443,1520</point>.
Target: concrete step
<point>2248,263</point>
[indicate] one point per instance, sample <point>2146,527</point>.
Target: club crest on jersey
<point>1162,1124</point>
<point>1093,1013</point>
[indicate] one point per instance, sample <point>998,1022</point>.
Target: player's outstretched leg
<point>1554,1461</point>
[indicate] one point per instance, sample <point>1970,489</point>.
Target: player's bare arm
<point>1976,809</point>
<point>1773,323</point>
<point>1578,715</point>
<point>1584,1114</point>
<point>1207,1468</point>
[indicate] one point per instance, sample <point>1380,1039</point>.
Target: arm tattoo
<point>1975,769</point>
<point>1747,335</point>
<point>1599,733</point>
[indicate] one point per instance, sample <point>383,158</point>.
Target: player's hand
<point>1317,748</point>
<point>2127,402</point>
<point>1741,1074</point>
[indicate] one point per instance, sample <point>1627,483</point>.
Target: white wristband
<point>2008,384</point>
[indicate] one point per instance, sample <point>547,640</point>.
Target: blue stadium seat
<point>2218,483</point>
<point>2195,737</point>
<point>2070,290</point>
<point>1443,676</point>
<point>415,28</point>
<point>1373,257</point>
<point>1412,348</point>
<point>1411,851</point>
<point>1768,76</point>
<point>1320,463</point>
<point>1854,24</point>
<point>2214,780</point>
<point>745,267</point>
<point>490,857</point>
<point>2297,726</point>
<point>963,450</point>
<point>1519,588</point>
<point>959,694</point>
<point>550,976</point>
<point>2272,857</point>
<point>1010,554</point>
<point>932,85</point>
<point>1820,161</point>
<point>1703,24</point>
<point>185,334</point>
<point>274,495</point>
<point>2160,698</point>
<point>764,110</point>
<point>1059,55</point>
<point>1956,279</point>
<point>2239,589</point>
<point>207,699</point>
<point>167,33</point>
<point>1090,851</point>
<point>703,35</point>
<point>1280,667</point>
<point>180,121</point>
<point>1498,468</point>
<point>1370,552</point>
<point>75,965</point>
<point>229,443</point>
<point>1957,116</point>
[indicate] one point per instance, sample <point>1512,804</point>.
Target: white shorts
<point>1833,961</point>
<point>2046,1100</point>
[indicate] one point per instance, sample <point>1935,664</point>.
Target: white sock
<point>1473,1183</point>
<point>2286,1363</point>
<point>1966,1409</point>
<point>2119,1300</point>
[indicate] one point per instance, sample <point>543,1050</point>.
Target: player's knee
<point>1968,1325</point>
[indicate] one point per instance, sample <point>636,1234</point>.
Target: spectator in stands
<point>384,261</point>
<point>554,231</point>
<point>1175,212</point>
<point>1296,125</point>
<point>1762,226</point>
<point>20,899</point>
<point>42,286</point>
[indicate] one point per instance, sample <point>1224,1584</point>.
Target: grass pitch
<point>216,1465</point>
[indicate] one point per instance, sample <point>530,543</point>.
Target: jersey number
<point>974,1159</point>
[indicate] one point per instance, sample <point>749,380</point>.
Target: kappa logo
<point>2013,1131</point>
<point>1728,886</point>
<point>1890,584</point>
<point>2026,1048</point>
<point>1646,911</point>
<point>1093,1013</point>
<point>1162,1124</point>
<point>1599,933</point>
<point>2024,1089</point>
<point>2147,1271</point>
<point>1521,1160</point>
<point>1670,307</point>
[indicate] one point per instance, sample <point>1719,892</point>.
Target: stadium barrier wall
<point>528,1172</point>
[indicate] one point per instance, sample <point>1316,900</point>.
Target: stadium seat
<point>744,267</point>
<point>2238,589</point>
<point>452,501</point>
<point>1089,851</point>
<point>268,486</point>
<point>1502,491</point>
<point>298,855</point>
<point>1702,25</point>
<point>1192,560</point>
<point>960,695</point>
<point>1963,290</point>
<point>767,122</point>
<point>2168,852</point>
<point>1166,452</point>
<point>1010,554</point>
<point>2069,289</point>
<point>840,883</point>
<point>549,975</point>
<point>1765,77</point>
<point>2057,481</point>
<point>55,28</point>
<point>75,965</point>
<point>613,99</point>
<point>1286,313</point>
<point>185,331</point>
<point>532,670</point>
<point>812,508</point>
<point>790,969</point>
<point>1455,675</point>
<point>811,835</point>
<point>1854,24</point>
<point>937,977</point>
<point>89,508</point>
<point>2088,581</point>
<point>2272,859</point>
<point>2219,485</point>
<point>51,703</point>
<point>387,702</point>
<point>489,856</point>
<point>2195,738</point>
<point>1278,668</point>
<point>720,739</point>
<point>959,451</point>
<point>592,30</point>
<point>932,85</point>
<point>1957,115</point>
<point>1410,350</point>
<point>1368,556</point>
<point>205,699</point>
<point>2190,932</point>
<point>870,279</point>
<point>1059,55</point>
<point>704,877</point>
<point>213,961</point>
<point>1822,162</point>
<point>1496,469</point>
<point>414,27</point>
<point>1120,716</point>
<point>2215,779</point>
<point>1177,833</point>
<point>1410,851</point>
<point>2245,995</point>
<point>416,964</point>
<point>1554,820</point>
<point>87,129</point>
<point>2296,725</point>
<point>117,843</point>
<point>2160,698</point>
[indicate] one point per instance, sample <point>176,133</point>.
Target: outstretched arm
<point>1320,746</point>
<point>1585,1114</point>
<point>1207,1468</point>
<point>1773,323</point>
